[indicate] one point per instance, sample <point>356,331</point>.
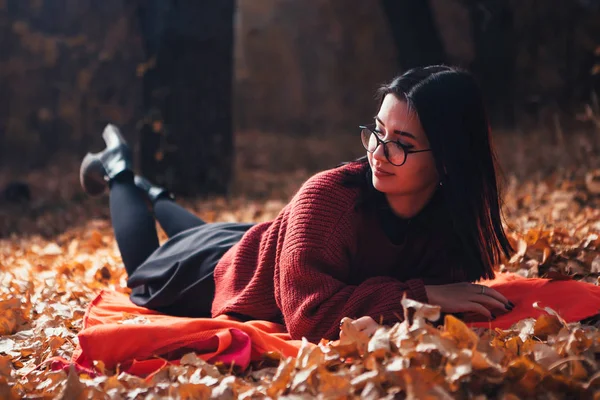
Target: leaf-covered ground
<point>57,251</point>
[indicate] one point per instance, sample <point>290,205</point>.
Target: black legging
<point>134,225</point>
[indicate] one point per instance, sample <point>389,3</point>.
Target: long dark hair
<point>451,110</point>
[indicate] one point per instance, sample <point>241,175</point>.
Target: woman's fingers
<point>489,302</point>
<point>479,309</point>
<point>488,291</point>
<point>465,296</point>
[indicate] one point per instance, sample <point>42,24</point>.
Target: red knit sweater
<point>322,259</point>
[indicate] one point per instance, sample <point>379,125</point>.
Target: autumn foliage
<point>46,283</point>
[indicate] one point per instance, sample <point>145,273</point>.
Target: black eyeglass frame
<point>406,150</point>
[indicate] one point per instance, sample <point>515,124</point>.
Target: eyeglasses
<point>395,152</point>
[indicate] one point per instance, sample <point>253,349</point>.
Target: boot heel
<point>152,191</point>
<point>98,169</point>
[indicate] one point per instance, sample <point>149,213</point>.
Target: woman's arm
<point>313,302</point>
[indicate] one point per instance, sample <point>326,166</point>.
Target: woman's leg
<point>132,221</point>
<point>173,218</point>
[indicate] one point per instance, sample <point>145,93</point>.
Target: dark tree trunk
<point>415,34</point>
<point>188,94</point>
<point>6,42</point>
<point>494,64</point>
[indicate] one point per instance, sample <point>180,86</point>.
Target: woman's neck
<point>407,205</point>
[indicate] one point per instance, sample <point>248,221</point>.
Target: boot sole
<point>92,182</point>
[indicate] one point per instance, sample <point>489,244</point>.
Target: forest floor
<point>57,251</point>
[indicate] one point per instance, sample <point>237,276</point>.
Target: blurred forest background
<point>232,105</point>
<point>238,98</point>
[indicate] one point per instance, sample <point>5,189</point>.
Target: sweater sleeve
<point>313,302</point>
<point>314,266</point>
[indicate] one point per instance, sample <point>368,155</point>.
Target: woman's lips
<point>380,174</point>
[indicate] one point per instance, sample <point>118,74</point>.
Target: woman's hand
<point>465,297</point>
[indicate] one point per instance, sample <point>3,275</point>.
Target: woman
<point>418,216</point>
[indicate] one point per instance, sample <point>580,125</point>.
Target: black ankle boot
<point>97,169</point>
<point>152,191</point>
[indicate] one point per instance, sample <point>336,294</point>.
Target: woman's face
<point>396,121</point>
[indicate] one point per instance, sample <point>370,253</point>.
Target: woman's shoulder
<point>338,177</point>
<point>332,185</point>
<point>322,206</point>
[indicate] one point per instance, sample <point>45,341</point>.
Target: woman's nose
<point>379,153</point>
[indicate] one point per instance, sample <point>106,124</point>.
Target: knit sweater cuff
<point>417,287</point>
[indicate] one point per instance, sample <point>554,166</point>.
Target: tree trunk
<point>188,94</point>
<point>415,34</point>
<point>494,64</point>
